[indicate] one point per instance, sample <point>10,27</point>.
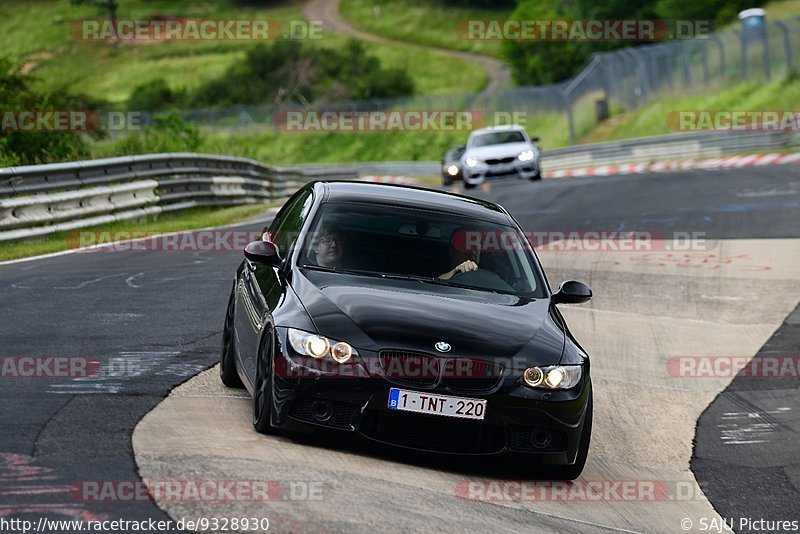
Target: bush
<point>289,71</point>
<point>33,147</point>
<point>537,62</point>
<point>156,96</point>
<point>168,133</point>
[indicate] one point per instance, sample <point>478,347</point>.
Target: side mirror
<point>534,139</point>
<point>572,292</point>
<point>264,252</point>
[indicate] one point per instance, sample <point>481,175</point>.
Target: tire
<point>571,472</point>
<point>227,357</point>
<point>447,180</point>
<point>262,389</point>
<point>468,185</point>
<point>536,177</point>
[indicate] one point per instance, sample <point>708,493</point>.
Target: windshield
<point>497,138</point>
<point>437,248</point>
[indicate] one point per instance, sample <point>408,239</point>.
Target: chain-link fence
<point>614,81</point>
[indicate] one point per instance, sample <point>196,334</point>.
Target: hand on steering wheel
<point>462,267</point>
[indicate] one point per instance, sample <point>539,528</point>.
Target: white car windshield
<point>497,138</point>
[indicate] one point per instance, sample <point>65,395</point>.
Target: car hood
<point>497,151</point>
<point>373,314</point>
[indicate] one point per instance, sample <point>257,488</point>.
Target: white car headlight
<point>471,162</point>
<point>553,376</point>
<point>526,156</point>
<point>317,346</point>
<point>452,170</point>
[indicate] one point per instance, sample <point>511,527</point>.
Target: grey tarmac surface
<point>161,311</point>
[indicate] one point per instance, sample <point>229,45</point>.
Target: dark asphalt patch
<point>746,456</point>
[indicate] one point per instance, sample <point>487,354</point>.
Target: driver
<point>329,245</point>
<point>462,258</point>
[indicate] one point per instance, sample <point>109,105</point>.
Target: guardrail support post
<point>767,69</point>
<point>745,73</point>
<point>787,45</point>
<point>570,118</point>
<point>723,67</point>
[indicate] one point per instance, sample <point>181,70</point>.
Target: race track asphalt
<point>152,320</point>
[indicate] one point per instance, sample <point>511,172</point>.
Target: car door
<point>261,287</point>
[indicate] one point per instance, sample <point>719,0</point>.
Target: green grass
<point>431,72</point>
<point>652,118</point>
<point>288,148</point>
<point>37,34</point>
<point>167,222</point>
<point>427,22</point>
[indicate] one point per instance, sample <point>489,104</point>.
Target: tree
<point>30,147</point>
<point>108,6</point>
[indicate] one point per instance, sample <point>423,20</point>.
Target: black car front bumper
<point>545,426</point>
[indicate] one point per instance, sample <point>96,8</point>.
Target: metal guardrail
<point>667,147</point>
<point>639,150</point>
<point>42,199</point>
<point>39,200</point>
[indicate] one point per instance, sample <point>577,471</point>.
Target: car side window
<point>287,224</point>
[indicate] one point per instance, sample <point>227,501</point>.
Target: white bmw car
<point>500,152</point>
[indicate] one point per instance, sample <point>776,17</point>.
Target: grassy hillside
<point>37,34</point>
<point>428,22</point>
<point>652,119</point>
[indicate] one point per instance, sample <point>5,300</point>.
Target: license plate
<point>415,401</point>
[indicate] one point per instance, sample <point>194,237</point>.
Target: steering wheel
<point>481,278</point>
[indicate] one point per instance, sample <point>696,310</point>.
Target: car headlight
<point>471,162</point>
<point>553,376</point>
<point>452,170</point>
<point>317,346</point>
<point>526,156</point>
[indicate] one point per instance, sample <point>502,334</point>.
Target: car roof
<point>500,128</point>
<point>413,197</point>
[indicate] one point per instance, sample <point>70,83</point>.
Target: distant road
<point>327,11</point>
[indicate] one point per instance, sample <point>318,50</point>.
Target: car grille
<point>433,433</point>
<point>467,374</point>
<point>537,439</point>
<point>341,416</point>
<point>414,369</point>
<point>498,161</point>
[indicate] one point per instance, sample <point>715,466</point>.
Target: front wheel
<point>227,357</point>
<point>262,389</point>
<point>537,176</point>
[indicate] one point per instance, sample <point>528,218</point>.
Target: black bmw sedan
<point>411,317</point>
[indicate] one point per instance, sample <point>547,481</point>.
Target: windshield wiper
<point>340,270</point>
<point>411,277</point>
<point>321,268</point>
<point>407,277</point>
